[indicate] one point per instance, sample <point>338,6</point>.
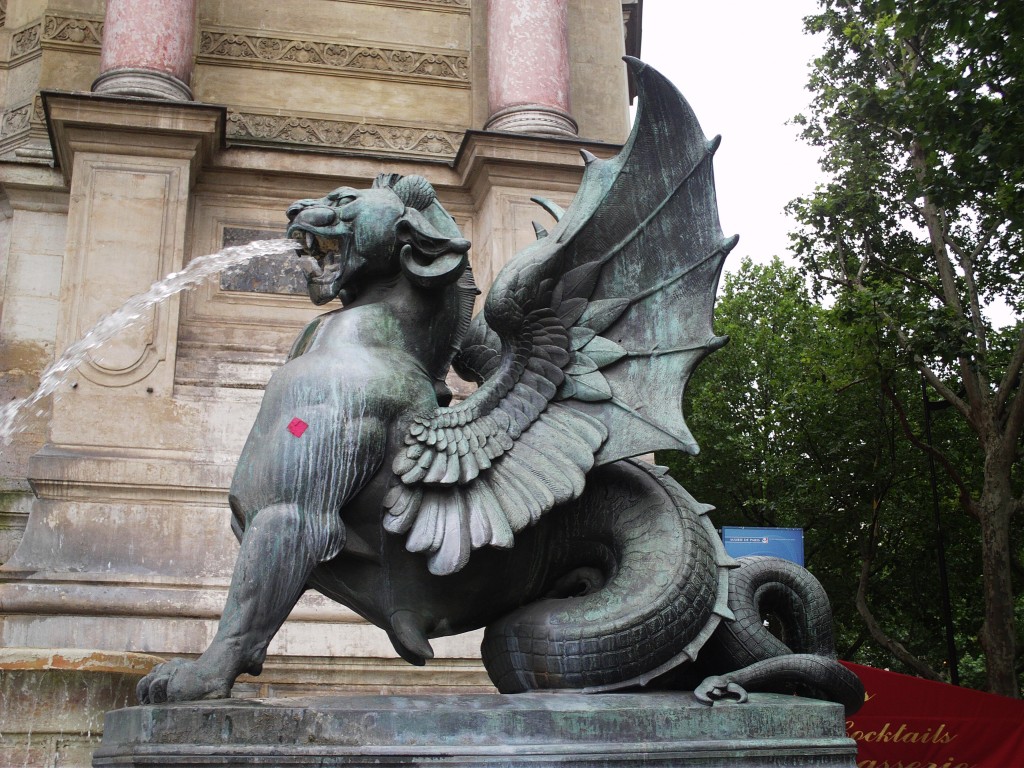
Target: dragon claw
<point>719,688</point>
<point>181,680</point>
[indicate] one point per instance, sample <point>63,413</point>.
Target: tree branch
<point>932,378</point>
<point>936,232</point>
<point>1011,378</point>
<point>967,261</point>
<point>966,501</point>
<point>911,278</point>
<point>894,647</point>
<point>1014,424</point>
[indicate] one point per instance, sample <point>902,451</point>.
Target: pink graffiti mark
<point>297,427</point>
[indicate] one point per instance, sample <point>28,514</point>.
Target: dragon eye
<point>340,197</point>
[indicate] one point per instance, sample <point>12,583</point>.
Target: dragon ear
<point>428,258</point>
<point>443,270</point>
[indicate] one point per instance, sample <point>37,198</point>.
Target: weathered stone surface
<point>537,730</point>
<point>52,701</point>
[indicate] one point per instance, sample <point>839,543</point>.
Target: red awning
<point>907,722</point>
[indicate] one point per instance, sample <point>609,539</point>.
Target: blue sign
<point>787,543</point>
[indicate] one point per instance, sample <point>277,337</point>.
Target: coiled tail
<point>640,584</point>
<point>801,660</point>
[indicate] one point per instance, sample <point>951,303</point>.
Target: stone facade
<point>114,527</point>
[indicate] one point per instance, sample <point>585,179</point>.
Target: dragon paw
<point>181,680</point>
<point>717,688</point>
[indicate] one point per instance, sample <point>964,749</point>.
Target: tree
<point>917,106</point>
<point>796,430</point>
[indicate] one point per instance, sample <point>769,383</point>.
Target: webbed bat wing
<point>586,342</point>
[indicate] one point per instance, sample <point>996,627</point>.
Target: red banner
<point>907,722</point>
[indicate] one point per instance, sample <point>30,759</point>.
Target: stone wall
<point>120,482</point>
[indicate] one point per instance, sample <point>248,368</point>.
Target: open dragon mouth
<point>315,245</point>
<point>321,256</point>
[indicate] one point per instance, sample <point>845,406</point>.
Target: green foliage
<point>918,103</point>
<point>917,107</point>
<point>797,431</point>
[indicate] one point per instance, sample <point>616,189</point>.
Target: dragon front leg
<point>273,567</point>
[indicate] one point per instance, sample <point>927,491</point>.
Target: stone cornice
<point>344,135</point>
<point>486,153</point>
<point>94,122</point>
<point>241,48</point>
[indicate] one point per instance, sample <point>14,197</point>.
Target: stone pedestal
<point>536,730</point>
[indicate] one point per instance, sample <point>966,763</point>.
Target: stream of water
<point>14,415</point>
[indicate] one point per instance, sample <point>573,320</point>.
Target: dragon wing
<point>587,339</point>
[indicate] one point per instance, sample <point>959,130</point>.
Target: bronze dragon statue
<point>518,509</point>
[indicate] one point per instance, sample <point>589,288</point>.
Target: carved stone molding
<point>3,12</point>
<point>15,120</point>
<point>462,6</point>
<point>72,31</point>
<point>142,83</point>
<point>25,42</point>
<point>538,119</point>
<point>241,48</point>
<point>353,136</point>
<point>20,126</point>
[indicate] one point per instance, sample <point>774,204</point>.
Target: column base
<point>536,119</point>
<point>142,83</point>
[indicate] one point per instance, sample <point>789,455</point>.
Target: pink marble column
<point>147,49</point>
<point>528,67</point>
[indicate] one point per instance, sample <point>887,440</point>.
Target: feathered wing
<point>587,339</point>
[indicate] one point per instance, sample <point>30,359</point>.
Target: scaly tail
<point>643,584</point>
<point>752,658</point>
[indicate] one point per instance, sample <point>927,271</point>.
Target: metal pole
<point>940,546</point>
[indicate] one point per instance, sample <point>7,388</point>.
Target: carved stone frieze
<point>235,47</point>
<point>356,136</point>
<point>25,41</point>
<point>16,120</point>
<point>3,12</point>
<point>76,31</point>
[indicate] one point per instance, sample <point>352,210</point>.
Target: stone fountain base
<point>52,702</point>
<point>535,730</point>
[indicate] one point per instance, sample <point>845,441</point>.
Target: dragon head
<point>354,237</point>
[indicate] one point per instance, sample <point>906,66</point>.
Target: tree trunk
<point>998,636</point>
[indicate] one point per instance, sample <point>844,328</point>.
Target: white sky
<point>743,66</point>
